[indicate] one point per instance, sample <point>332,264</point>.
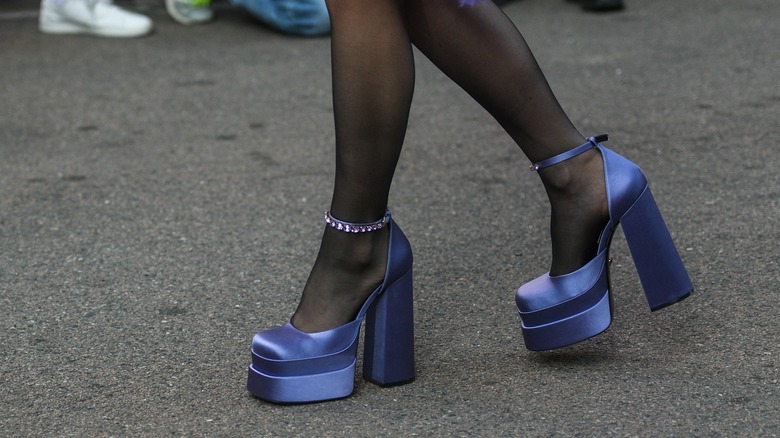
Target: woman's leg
<point>373,81</point>
<point>483,52</point>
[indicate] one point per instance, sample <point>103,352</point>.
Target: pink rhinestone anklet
<point>349,227</point>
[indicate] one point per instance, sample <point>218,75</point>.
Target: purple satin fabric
<point>561,310</point>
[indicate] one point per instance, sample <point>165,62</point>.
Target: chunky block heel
<point>291,366</point>
<point>556,311</point>
<point>388,353</point>
<point>657,261</point>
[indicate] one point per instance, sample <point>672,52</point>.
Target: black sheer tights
<point>373,80</point>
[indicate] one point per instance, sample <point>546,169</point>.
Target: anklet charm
<point>349,227</point>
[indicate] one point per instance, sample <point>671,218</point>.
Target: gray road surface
<point>160,202</point>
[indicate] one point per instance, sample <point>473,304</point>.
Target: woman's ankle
<point>579,210</point>
<point>348,268</point>
<point>571,175</point>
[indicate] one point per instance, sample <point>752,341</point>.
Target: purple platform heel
<point>290,366</point>
<point>562,310</point>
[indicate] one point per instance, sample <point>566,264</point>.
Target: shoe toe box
<point>288,343</point>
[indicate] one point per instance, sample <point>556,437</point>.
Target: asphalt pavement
<point>161,199</point>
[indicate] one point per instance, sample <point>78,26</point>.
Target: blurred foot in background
<point>587,5</point>
<point>600,5</point>
<point>93,17</point>
<point>190,11</point>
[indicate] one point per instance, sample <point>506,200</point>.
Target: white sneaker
<point>189,11</point>
<point>95,17</point>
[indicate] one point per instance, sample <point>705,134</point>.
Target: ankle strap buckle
<point>571,153</point>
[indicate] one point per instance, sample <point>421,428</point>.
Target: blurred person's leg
<point>296,17</point>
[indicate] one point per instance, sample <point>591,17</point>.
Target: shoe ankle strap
<point>352,227</point>
<point>571,153</point>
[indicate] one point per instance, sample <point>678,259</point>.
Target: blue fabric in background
<point>299,17</point>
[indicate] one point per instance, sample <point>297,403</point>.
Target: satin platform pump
<point>291,366</point>
<point>556,311</point>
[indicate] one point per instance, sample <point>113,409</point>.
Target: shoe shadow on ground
<point>575,358</point>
